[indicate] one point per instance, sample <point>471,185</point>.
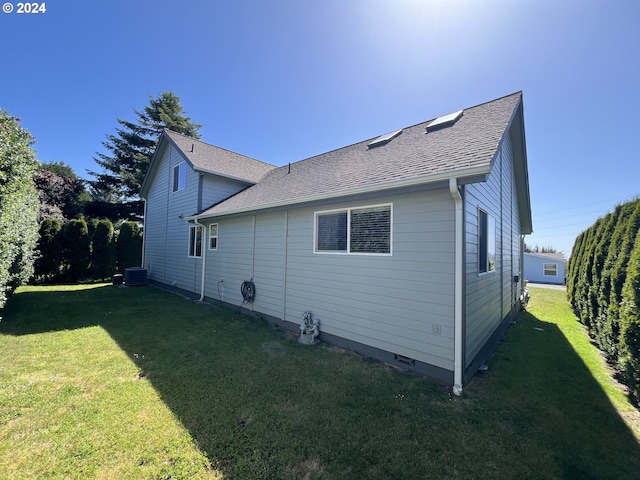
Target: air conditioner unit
<point>135,276</point>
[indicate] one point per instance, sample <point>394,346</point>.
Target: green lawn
<point>107,382</point>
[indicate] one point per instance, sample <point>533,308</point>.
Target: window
<point>486,242</point>
<point>195,241</point>
<point>365,230</point>
<point>550,269</point>
<point>179,177</point>
<point>213,236</point>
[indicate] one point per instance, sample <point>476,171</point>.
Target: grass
<point>107,382</point>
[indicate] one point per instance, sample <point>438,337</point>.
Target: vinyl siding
<point>490,296</point>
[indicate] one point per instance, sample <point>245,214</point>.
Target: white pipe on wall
<point>458,287</point>
<point>205,247</point>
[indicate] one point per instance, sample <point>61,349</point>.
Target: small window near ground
<point>213,236</point>
<point>550,270</point>
<point>179,177</point>
<point>486,242</point>
<point>364,230</point>
<point>195,241</point>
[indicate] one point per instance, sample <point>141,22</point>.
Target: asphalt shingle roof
<point>469,144</point>
<point>211,159</point>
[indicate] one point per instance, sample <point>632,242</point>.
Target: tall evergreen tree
<point>131,148</point>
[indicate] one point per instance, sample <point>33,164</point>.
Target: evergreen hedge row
<point>603,287</point>
<point>83,251</point>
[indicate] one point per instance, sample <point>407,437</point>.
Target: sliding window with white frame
<point>359,230</point>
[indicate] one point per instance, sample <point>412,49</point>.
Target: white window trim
<point>175,184</point>
<point>196,227</point>
<point>495,246</point>
<point>544,269</point>
<point>348,211</point>
<point>210,236</point>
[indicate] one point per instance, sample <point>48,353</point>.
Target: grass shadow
<point>541,385</point>
<point>261,406</point>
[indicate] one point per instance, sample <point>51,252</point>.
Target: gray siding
<point>216,188</point>
<point>394,303</point>
<point>490,296</point>
<point>166,234</point>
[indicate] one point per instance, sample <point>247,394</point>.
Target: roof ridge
<point>217,147</point>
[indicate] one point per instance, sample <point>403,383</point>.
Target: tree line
<point>56,226</point>
<point>603,287</point>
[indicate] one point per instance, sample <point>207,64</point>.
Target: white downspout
<point>144,233</point>
<point>205,247</point>
<point>458,284</point>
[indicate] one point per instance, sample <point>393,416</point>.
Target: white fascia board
<point>411,182</point>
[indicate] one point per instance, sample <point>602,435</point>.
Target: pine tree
<point>131,148</point>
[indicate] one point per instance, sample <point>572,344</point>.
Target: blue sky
<point>282,80</point>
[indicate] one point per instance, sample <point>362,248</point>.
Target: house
<point>406,247</point>
<point>544,268</point>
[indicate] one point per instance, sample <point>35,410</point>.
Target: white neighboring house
<point>406,247</point>
<point>545,268</point>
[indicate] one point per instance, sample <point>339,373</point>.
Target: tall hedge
<point>77,249</point>
<point>630,324</point>
<point>603,288</point>
<point>129,246</point>
<point>48,265</point>
<point>18,205</point>
<point>103,252</point>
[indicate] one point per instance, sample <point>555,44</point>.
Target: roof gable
<point>464,149</point>
<point>209,159</point>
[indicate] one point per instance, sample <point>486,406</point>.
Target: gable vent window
<point>363,230</point>
<point>444,121</point>
<point>179,177</point>
<point>384,139</point>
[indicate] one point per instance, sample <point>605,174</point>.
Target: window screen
<point>355,230</point>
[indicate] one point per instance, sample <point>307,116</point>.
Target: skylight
<point>384,139</point>
<point>445,120</point>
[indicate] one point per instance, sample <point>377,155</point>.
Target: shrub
<point>49,262</point>
<point>103,259</point>
<point>77,249</point>
<point>129,246</point>
<point>18,206</point>
<point>630,324</point>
